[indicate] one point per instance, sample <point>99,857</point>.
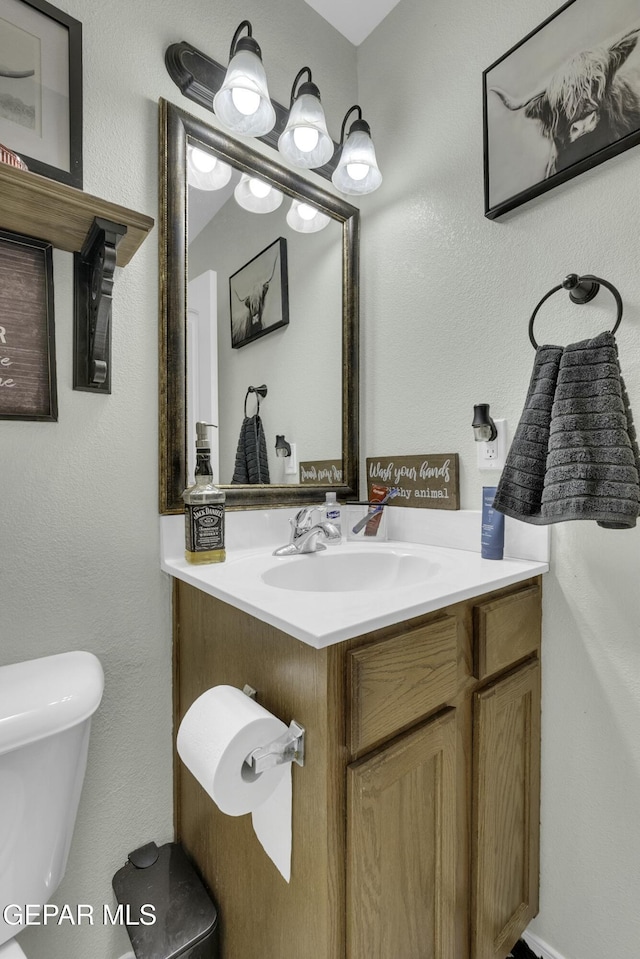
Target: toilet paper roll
<point>272,825</point>
<point>215,737</point>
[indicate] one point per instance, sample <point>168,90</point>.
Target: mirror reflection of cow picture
<point>259,295</point>
<point>564,99</point>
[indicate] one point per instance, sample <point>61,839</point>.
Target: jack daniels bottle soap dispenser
<point>204,508</point>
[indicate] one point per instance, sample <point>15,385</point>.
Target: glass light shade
<point>257,195</point>
<point>305,218</point>
<point>305,141</point>
<point>206,172</point>
<point>357,171</point>
<point>242,103</point>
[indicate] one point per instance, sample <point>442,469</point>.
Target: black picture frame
<point>27,339</point>
<point>37,121</point>
<point>259,295</point>
<point>532,142</point>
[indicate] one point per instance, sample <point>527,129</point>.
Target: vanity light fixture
<point>306,218</point>
<point>357,171</point>
<point>282,447</point>
<point>242,103</point>
<point>305,141</point>
<point>257,195</point>
<point>206,172</point>
<point>203,80</point>
<point>484,429</point>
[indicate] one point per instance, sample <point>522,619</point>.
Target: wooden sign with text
<point>327,472</point>
<point>27,346</point>
<point>430,481</point>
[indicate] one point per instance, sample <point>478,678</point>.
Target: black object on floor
<point>521,951</point>
<point>163,881</point>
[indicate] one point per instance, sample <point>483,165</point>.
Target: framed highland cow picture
<point>259,295</point>
<point>561,101</point>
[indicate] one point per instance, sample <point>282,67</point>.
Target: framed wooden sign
<point>430,481</point>
<point>27,344</point>
<point>325,472</point>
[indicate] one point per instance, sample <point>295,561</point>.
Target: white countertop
<point>322,618</point>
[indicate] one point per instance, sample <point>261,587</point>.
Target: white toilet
<point>46,707</point>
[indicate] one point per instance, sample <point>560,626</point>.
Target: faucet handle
<point>302,521</point>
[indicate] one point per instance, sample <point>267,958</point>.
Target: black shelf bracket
<point>93,270</point>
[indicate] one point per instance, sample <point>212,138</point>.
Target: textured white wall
<point>79,563</point>
<point>446,299</point>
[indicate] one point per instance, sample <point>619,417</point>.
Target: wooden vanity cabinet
<point>415,817</point>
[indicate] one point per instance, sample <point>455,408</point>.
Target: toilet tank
<point>45,716</point>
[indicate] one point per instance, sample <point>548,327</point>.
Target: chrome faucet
<point>305,534</point>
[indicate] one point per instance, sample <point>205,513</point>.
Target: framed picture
<point>259,295</point>
<point>41,88</point>
<point>563,100</point>
<point>27,343</point>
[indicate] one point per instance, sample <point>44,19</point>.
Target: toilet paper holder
<point>288,748</point>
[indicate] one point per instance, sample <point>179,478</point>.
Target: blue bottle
<point>492,538</point>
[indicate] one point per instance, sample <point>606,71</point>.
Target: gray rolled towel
<point>590,467</point>
<point>251,464</point>
<point>520,488</point>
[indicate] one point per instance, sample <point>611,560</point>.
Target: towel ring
<point>259,391</point>
<point>581,289</point>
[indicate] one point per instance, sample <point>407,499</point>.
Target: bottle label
<point>204,528</point>
<point>334,515</point>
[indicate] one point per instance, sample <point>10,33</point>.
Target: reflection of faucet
<point>305,533</point>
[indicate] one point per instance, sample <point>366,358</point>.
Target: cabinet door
<point>506,803</point>
<point>401,848</point>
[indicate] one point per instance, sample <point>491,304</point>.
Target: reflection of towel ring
<point>259,391</point>
<point>581,289</point>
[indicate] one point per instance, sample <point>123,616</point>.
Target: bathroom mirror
<point>219,259</point>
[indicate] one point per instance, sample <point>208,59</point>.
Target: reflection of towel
<point>574,454</point>
<point>251,455</point>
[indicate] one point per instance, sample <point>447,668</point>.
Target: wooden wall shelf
<point>101,236</point>
<point>62,215</point>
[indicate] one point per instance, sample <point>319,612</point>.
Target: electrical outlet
<point>291,462</point>
<point>491,450</point>
<point>491,456</point>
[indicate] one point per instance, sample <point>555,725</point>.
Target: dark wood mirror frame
<point>176,127</point>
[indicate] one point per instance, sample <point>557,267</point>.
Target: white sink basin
<point>340,571</point>
<point>343,591</point>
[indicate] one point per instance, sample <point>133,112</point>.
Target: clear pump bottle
<point>333,515</point>
<point>204,508</point>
